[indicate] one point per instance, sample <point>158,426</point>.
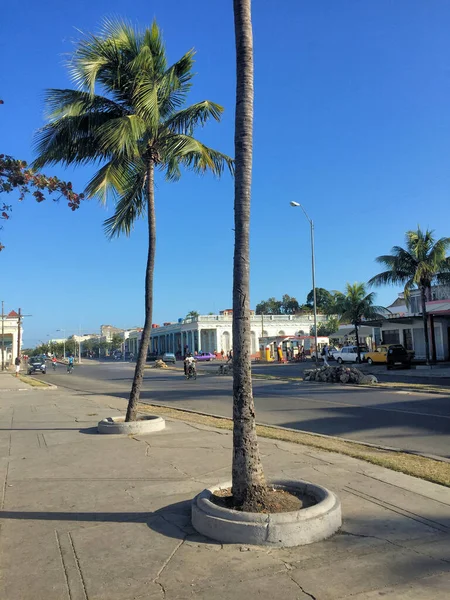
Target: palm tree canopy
<point>128,109</point>
<point>422,262</point>
<point>356,305</point>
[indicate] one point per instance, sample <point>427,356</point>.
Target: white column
<point>199,339</point>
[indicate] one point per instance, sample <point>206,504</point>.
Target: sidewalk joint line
<point>58,543</point>
<point>83,583</point>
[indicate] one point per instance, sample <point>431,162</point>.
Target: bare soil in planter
<point>276,501</point>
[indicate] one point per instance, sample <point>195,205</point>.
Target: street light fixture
<point>63,331</point>
<point>311,224</point>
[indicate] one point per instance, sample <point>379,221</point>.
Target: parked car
<point>36,364</point>
<point>396,355</point>
<point>379,356</point>
<point>169,357</point>
<point>350,354</point>
<point>205,356</point>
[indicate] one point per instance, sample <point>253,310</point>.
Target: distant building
<point>107,331</point>
<point>404,324</point>
<point>214,332</point>
<point>9,338</point>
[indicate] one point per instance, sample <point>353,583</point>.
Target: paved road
<point>411,421</point>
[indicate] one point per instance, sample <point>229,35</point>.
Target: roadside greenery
<point>422,263</point>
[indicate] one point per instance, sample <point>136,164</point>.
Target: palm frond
<point>73,103</point>
<point>70,140</point>
<point>186,120</point>
<point>114,178</point>
<point>196,156</point>
<point>121,136</point>
<point>130,206</point>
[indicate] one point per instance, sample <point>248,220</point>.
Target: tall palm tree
<point>419,265</point>
<point>248,478</point>
<point>355,306</point>
<point>136,126</point>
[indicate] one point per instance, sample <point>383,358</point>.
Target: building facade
<point>209,333</point>
<point>10,343</point>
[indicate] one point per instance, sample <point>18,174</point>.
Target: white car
<point>349,354</point>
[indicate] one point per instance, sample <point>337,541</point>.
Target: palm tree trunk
<point>423,298</point>
<point>146,332</point>
<point>248,477</point>
<point>358,351</point>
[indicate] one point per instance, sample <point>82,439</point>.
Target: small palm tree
<point>193,314</point>
<point>137,125</point>
<point>419,265</point>
<point>249,488</point>
<point>355,306</point>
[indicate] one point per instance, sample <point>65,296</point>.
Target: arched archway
<point>226,345</point>
<point>281,332</point>
<point>254,348</point>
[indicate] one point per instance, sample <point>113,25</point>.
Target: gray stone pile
<point>339,374</point>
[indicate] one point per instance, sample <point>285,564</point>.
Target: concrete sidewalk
<point>10,383</point>
<point>90,517</point>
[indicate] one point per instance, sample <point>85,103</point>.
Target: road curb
<point>317,435</point>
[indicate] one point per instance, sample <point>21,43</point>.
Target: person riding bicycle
<point>70,364</point>
<point>189,363</point>
<point>54,362</point>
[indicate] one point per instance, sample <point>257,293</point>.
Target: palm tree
<point>193,314</point>
<point>419,265</point>
<point>137,126</point>
<point>355,306</point>
<point>249,486</point>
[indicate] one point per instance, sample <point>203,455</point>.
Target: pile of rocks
<point>159,364</point>
<point>338,374</point>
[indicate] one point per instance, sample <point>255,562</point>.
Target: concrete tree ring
<point>117,425</point>
<point>296,528</point>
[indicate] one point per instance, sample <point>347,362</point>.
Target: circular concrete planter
<point>296,528</point>
<point>117,425</point>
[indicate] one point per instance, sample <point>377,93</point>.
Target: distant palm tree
<point>355,306</point>
<point>137,126</point>
<point>417,266</point>
<point>193,314</point>
<point>249,488</point>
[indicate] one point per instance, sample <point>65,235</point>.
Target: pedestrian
<point>325,350</point>
<point>17,363</point>
<point>222,353</point>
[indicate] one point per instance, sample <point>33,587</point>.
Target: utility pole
<point>19,325</point>
<point>3,335</point>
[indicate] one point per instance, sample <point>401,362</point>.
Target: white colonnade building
<point>209,333</point>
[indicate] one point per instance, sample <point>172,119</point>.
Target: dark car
<point>37,364</point>
<point>398,357</point>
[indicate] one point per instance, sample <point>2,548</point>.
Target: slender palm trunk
<point>358,351</point>
<point>248,477</point>
<point>145,339</point>
<point>423,298</point>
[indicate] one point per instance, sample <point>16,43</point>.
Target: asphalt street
<point>411,421</point>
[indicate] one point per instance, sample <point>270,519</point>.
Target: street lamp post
<point>63,331</point>
<point>311,224</point>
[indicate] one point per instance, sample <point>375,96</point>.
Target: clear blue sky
<point>352,118</point>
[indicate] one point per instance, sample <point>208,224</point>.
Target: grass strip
<point>410,464</point>
<point>33,382</point>
<point>385,385</point>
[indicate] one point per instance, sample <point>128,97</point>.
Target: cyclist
<point>54,363</point>
<point>189,363</point>
<point>70,364</point>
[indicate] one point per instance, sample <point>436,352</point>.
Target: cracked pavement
<point>91,517</point>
